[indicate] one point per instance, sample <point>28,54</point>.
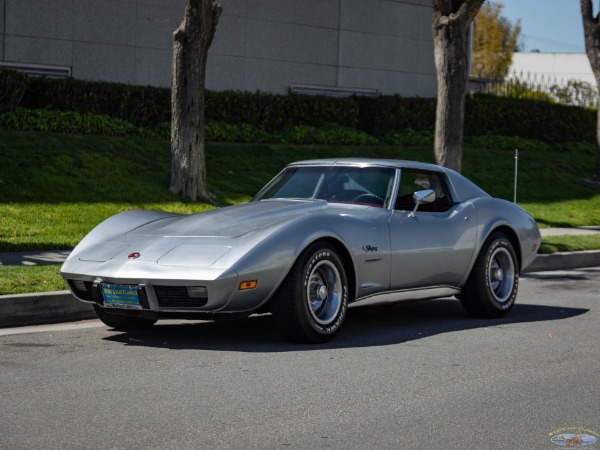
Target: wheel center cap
<point>322,292</point>
<point>499,275</point>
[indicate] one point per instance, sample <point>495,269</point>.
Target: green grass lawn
<point>551,244</point>
<point>55,188</point>
<point>27,279</point>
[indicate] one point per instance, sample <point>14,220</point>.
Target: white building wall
<point>265,45</point>
<point>553,67</point>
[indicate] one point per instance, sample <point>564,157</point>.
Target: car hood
<point>231,221</point>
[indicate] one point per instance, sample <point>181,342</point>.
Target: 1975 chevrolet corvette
<point>321,235</point>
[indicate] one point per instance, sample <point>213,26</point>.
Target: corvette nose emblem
<point>133,255</point>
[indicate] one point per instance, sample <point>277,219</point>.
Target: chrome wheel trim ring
<point>324,292</point>
<point>501,273</point>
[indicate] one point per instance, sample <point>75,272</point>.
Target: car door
<point>436,246</point>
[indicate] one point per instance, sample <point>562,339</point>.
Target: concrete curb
<point>565,261</point>
<point>61,306</point>
<point>42,307</point>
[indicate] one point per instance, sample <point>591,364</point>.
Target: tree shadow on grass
<point>10,247</point>
<point>367,326</point>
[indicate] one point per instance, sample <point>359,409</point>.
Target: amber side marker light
<point>247,285</point>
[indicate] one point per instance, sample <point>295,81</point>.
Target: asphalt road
<point>413,376</point>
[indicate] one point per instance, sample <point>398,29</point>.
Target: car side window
<point>412,181</point>
<point>361,186</point>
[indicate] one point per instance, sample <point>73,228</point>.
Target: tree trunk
<point>597,174</point>
<point>591,31</point>
<point>450,23</point>
<point>190,51</point>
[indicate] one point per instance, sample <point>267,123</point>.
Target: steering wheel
<point>368,198</point>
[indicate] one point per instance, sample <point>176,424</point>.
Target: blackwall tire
<point>122,323</point>
<point>491,289</point>
<point>312,303</point>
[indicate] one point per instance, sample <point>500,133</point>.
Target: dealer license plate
<point>120,296</point>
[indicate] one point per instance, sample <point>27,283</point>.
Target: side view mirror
<point>422,198</point>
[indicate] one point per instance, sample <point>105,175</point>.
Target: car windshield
<point>336,184</point>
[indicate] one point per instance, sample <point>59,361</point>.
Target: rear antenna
<point>516,169</point>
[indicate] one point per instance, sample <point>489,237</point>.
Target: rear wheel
<point>122,323</point>
<point>312,302</point>
<point>492,287</point>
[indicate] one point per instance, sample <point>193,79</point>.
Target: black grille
<point>181,296</point>
<point>82,289</point>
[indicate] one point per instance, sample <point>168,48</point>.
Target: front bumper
<point>178,299</point>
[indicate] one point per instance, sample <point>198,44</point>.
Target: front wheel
<point>492,287</point>
<point>122,323</point>
<point>312,302</point>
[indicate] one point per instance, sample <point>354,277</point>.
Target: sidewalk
<point>578,231</point>
<point>61,306</point>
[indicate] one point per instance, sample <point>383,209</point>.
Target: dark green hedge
<point>484,115</point>
<point>142,106</point>
<point>273,112</point>
<point>54,121</point>
<point>381,116</point>
<point>531,119</point>
<point>12,89</point>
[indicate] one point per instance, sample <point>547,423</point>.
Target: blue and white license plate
<point>120,296</point>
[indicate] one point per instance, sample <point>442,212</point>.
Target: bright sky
<point>552,26</point>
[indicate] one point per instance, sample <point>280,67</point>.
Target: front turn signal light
<point>244,285</point>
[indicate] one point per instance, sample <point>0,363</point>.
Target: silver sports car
<point>321,235</point>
